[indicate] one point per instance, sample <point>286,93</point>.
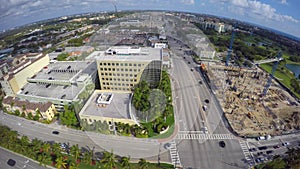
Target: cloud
<point>284,2</point>
<point>187,2</point>
<point>258,9</point>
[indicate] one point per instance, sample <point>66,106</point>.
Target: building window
<point>126,64</point>
<point>134,64</point>
<point>117,64</point>
<point>113,64</point>
<point>126,70</point>
<point>130,64</point>
<point>104,64</point>
<point>108,64</point>
<point>100,64</point>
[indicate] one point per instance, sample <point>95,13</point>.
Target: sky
<point>282,15</point>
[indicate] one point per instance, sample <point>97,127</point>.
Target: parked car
<point>222,144</point>
<point>11,162</point>
<point>263,148</point>
<point>55,132</point>
<point>285,144</point>
<point>276,146</point>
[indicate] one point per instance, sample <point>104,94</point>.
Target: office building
<point>120,68</point>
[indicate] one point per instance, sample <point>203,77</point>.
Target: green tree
<point>60,162</point>
<point>88,156</point>
<point>68,117</point>
<point>143,164</point>
<point>125,162</point>
<point>36,117</point>
<point>75,151</point>
<point>109,160</point>
<point>30,117</point>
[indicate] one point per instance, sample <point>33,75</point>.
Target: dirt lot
<point>250,113</point>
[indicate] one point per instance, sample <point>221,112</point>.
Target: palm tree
<point>143,164</point>
<point>75,151</point>
<point>46,147</point>
<point>36,144</point>
<point>109,160</point>
<point>60,162</point>
<point>24,141</point>
<point>56,149</point>
<point>88,156</point>
<point>125,162</point>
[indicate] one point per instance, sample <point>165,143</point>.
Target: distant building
<point>121,67</point>
<point>219,27</point>
<point>160,45</point>
<point>46,110</point>
<point>166,60</point>
<point>76,51</point>
<point>61,83</point>
<point>25,67</point>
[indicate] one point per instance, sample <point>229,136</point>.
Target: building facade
<point>121,68</point>
<point>46,110</point>
<point>62,83</point>
<point>16,78</point>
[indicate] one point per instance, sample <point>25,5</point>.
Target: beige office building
<point>120,68</point>
<point>16,78</point>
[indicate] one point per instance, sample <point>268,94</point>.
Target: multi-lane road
<point>21,161</point>
<point>200,131</point>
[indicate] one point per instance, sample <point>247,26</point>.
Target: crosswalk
<point>246,152</point>
<point>199,136</point>
<point>174,154</point>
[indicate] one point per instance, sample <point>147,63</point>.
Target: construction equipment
<point>279,55</point>
<point>230,46</point>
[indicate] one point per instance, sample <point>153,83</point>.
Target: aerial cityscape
<point>136,84</point>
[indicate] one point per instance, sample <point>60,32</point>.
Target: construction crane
<point>230,46</point>
<point>279,57</point>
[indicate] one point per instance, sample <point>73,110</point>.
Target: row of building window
<point>120,64</point>
<point>118,70</point>
<point>116,84</point>
<point>116,88</point>
<point>118,74</point>
<point>118,79</point>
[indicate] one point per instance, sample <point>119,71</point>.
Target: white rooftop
<point>124,53</point>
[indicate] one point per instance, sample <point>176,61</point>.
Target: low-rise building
<point>61,83</point>
<point>25,67</point>
<point>76,51</point>
<point>46,110</point>
<point>107,106</point>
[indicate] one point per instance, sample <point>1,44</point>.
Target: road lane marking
<point>198,135</point>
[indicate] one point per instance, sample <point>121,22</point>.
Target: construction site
<point>253,105</point>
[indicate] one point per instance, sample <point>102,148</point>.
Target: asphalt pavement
<point>191,117</point>
<point>22,162</point>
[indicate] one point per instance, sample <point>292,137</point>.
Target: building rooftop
<point>117,108</point>
<point>29,105</point>
<point>59,80</point>
<point>125,53</point>
<point>65,71</point>
<point>66,92</point>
